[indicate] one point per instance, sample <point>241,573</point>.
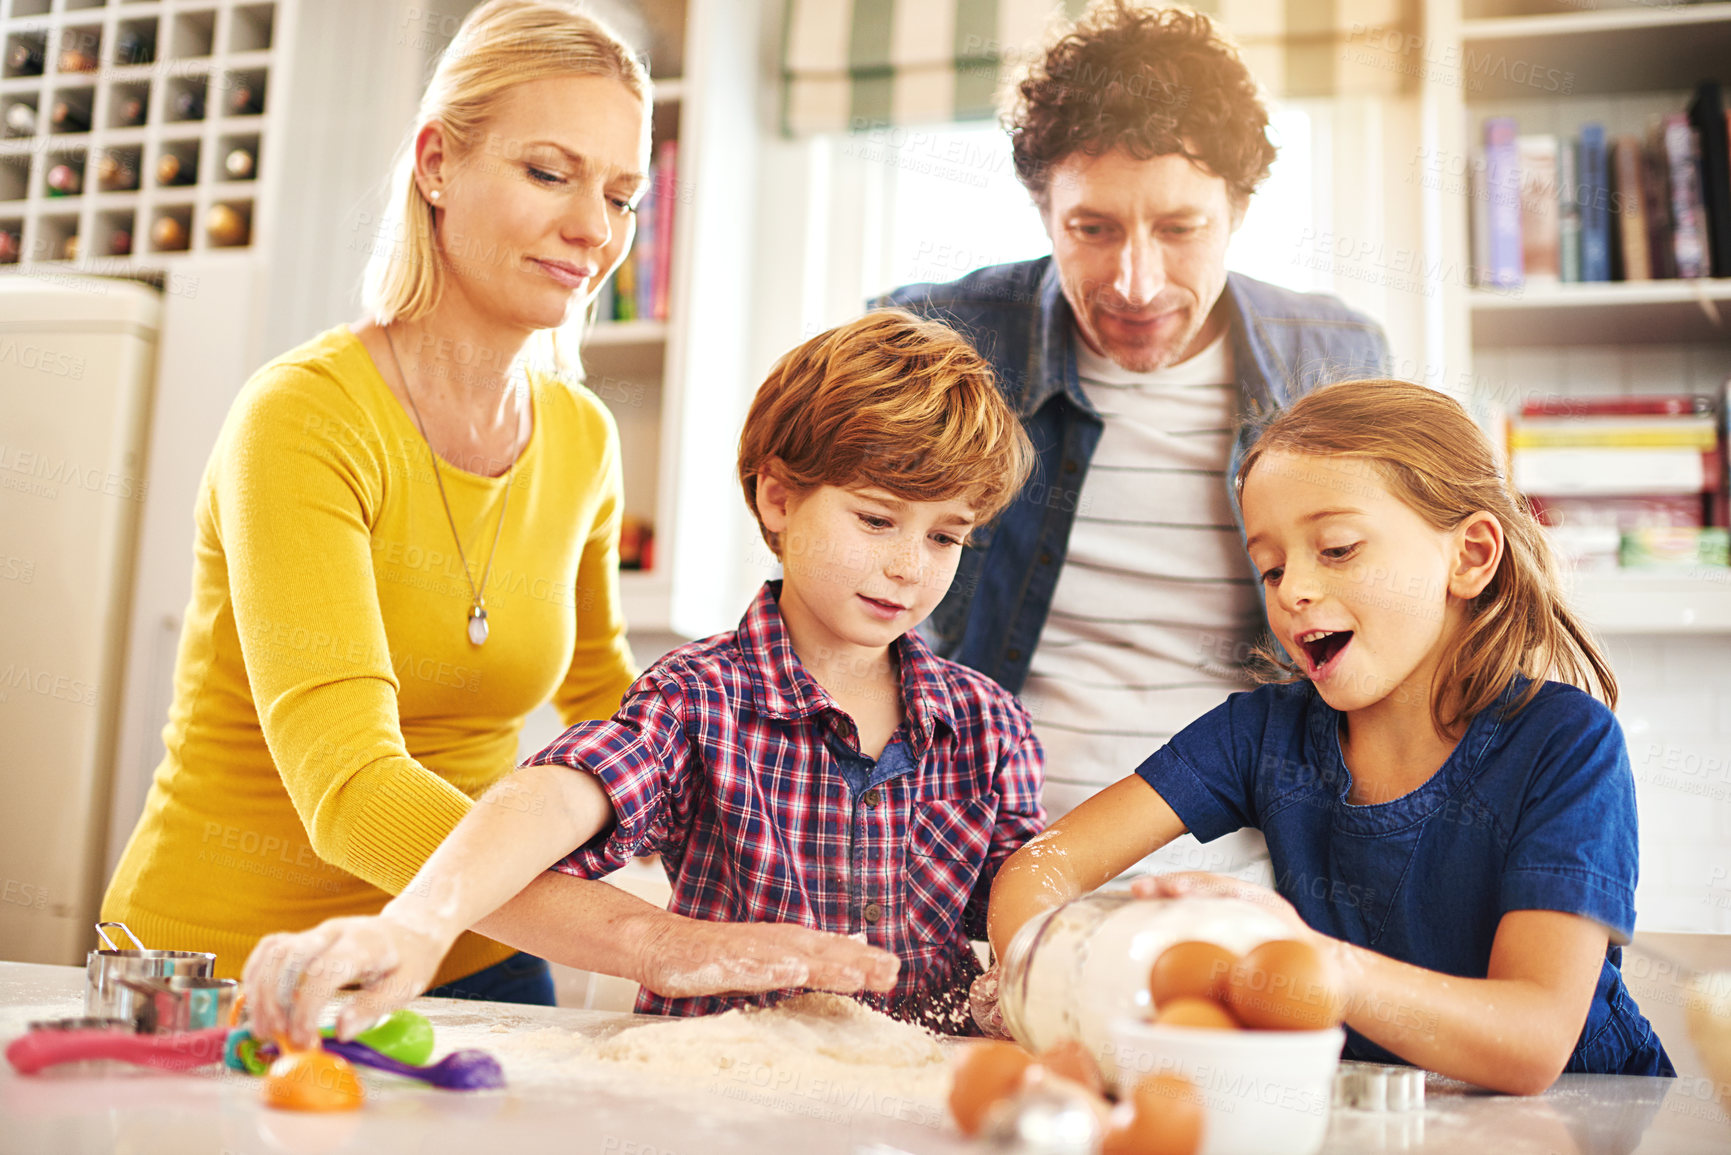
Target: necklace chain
<point>477,625</point>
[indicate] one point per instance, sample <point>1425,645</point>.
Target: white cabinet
<point>76,360</point>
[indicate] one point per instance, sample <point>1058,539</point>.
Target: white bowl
<point>1267,1092</point>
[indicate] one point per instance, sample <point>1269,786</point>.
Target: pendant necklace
<point>477,604</point>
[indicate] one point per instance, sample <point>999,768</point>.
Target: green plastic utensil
<point>403,1035</point>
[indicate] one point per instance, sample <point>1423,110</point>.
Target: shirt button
<point>873,796</point>
<point>1013,655</point>
<point>1071,466</point>
<point>872,912</point>
<point>1045,557</point>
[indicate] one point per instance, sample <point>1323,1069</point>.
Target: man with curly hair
<point>1115,595</point>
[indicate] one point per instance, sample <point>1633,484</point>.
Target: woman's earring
<point>434,195</point>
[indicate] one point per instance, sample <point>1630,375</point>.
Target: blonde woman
<point>406,543</point>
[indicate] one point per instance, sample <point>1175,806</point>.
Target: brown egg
<point>1070,1060</point>
<point>1165,1118</point>
<point>1202,1013</point>
<point>984,1073</point>
<point>1195,970</point>
<point>1285,985</point>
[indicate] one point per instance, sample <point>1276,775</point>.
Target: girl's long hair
<point>1424,447</point>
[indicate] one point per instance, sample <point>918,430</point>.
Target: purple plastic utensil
<point>465,1070</point>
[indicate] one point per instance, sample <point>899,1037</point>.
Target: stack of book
<point>1630,482</point>
<point>1601,207</point>
<point>638,290</point>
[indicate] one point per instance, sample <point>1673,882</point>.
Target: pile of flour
<point>813,1054</point>
<point>834,1032</point>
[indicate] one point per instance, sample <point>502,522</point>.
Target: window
<point>951,203</point>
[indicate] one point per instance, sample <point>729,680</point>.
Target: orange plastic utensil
<point>314,1080</point>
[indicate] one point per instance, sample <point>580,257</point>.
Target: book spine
<point>1621,512</point>
<point>625,291</point>
<point>604,301</point>
<point>1503,203</point>
<point>1540,232</point>
<point>1480,222</point>
<point>1683,156</point>
<point>1631,211</point>
<point>666,197</point>
<point>1595,204</point>
<point>1700,433</point>
<point>1656,201</point>
<point>1600,472</point>
<point>1569,211</point>
<point>643,251</point>
<point>1707,114</point>
<point>1634,405</point>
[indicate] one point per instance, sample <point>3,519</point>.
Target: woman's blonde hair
<point>500,45</point>
<point>1431,455</point>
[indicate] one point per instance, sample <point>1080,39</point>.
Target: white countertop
<point>555,1101</point>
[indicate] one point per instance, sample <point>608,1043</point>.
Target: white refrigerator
<point>77,358</point>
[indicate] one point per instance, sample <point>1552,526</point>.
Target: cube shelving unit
<point>191,80</point>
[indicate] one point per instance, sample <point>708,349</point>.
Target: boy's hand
<point>686,957</point>
<point>290,977</point>
<point>1201,882</point>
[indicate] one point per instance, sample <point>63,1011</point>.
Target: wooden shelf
<point>1604,313</point>
<point>644,597</point>
<point>1595,52</point>
<point>1637,18</point>
<point>1692,601</point>
<point>617,334</point>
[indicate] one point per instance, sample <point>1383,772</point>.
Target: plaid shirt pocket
<point>948,847</point>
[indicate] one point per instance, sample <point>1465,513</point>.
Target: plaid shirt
<point>719,760</point>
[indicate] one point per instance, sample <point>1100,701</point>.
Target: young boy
<point>817,766</point>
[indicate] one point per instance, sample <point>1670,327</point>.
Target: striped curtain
<point>863,63</point>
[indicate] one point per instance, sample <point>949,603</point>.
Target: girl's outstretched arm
<point>1088,847</point>
<point>1512,1031</point>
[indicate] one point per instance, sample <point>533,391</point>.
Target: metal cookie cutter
<point>1379,1087</point>
<point>106,994</point>
<point>180,1003</point>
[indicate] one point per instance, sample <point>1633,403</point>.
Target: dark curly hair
<point>1150,81</point>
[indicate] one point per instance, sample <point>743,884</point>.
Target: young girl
<point>1456,831</point>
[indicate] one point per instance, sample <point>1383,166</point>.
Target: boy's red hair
<point>886,401</point>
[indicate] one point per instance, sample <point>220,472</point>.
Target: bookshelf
<point>1554,65</point>
<point>678,388</point>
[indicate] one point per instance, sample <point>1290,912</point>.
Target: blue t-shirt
<point>1533,812</point>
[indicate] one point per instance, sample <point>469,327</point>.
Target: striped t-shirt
<point>1155,604</point>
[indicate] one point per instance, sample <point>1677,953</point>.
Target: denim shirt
<point>1284,344</point>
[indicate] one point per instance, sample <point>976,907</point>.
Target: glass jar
<point>1072,970</point>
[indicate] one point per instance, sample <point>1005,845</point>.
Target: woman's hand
<point>685,957</point>
<point>290,977</point>
<point>1202,883</point>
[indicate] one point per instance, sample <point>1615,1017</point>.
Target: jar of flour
<point>1069,972</point>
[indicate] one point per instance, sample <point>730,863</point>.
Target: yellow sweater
<point>331,721</point>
